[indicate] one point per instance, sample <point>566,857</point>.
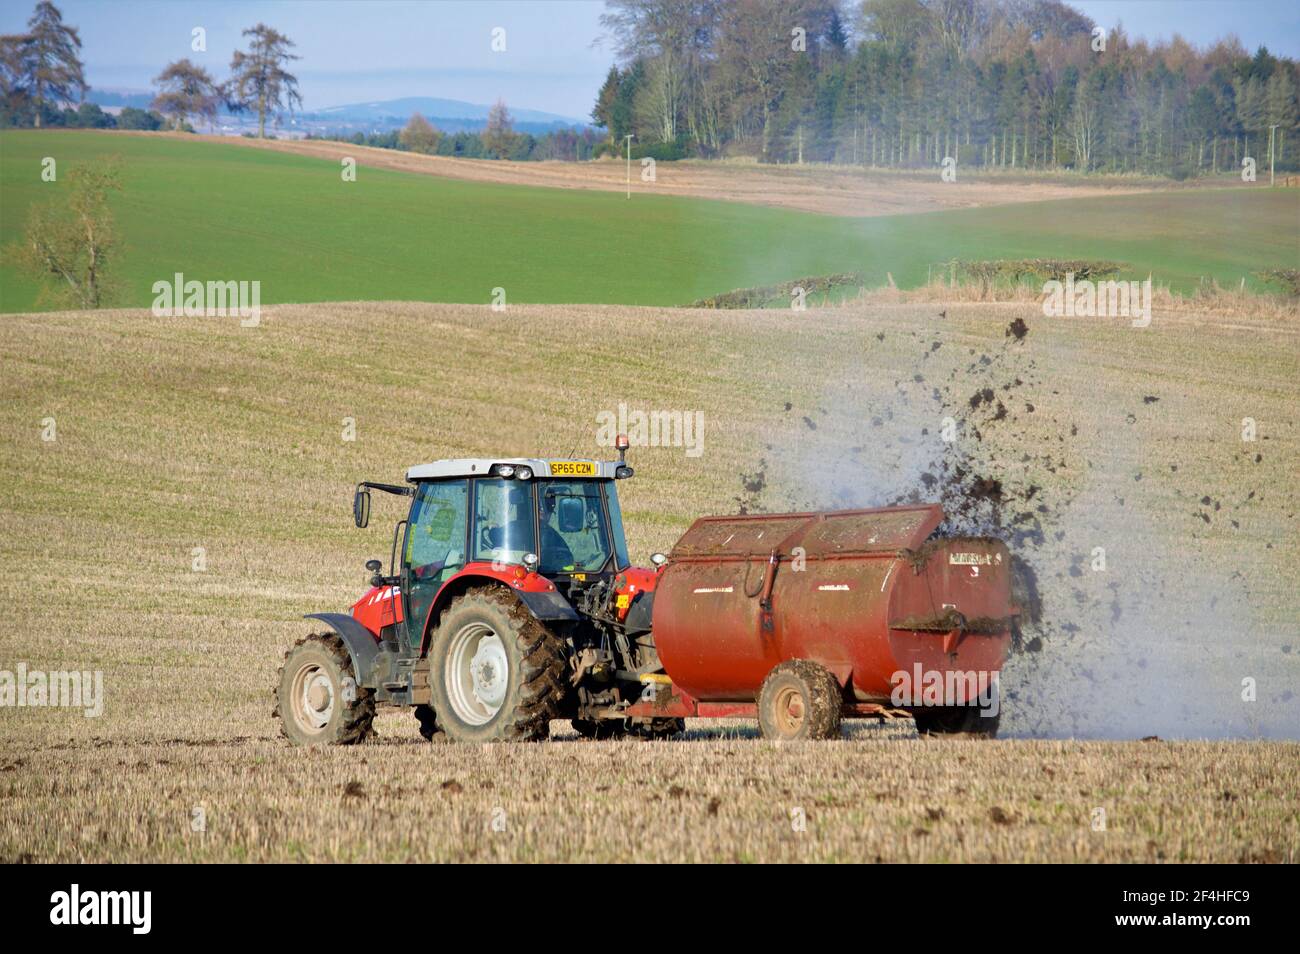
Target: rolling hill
<point>214,211</point>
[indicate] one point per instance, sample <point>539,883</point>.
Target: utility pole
<point>1270,153</point>
<point>628,137</point>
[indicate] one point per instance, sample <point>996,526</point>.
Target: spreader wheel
<point>800,700</point>
<point>318,701</point>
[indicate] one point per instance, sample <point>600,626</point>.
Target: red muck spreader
<point>757,614</point>
<point>510,601</point>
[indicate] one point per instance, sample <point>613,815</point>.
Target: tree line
<point>1026,84</point>
<point>42,68</point>
<point>497,140</point>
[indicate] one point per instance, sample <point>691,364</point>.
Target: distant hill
<point>431,106</point>
<point>449,115</point>
<point>140,99</point>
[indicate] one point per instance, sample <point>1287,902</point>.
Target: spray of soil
<point>1101,653</point>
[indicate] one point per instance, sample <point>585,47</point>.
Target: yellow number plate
<point>573,468</point>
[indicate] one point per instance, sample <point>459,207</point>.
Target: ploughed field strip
<point>827,190</point>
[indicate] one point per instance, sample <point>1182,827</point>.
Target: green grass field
<point>215,211</point>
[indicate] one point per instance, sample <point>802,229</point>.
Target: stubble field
<point>178,434</point>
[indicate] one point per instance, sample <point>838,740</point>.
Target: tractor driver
<point>508,531</point>
<point>555,554</point>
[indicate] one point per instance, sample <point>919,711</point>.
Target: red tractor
<point>510,601</point>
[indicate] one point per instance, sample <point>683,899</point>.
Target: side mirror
<point>361,507</point>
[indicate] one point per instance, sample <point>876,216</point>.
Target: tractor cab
<point>547,528</point>
<point>556,518</point>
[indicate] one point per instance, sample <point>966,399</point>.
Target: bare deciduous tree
<point>11,66</point>
<point>71,238</point>
<point>420,135</point>
<point>499,134</point>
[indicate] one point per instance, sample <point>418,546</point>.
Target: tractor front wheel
<point>496,673</point>
<point>800,700</point>
<point>318,701</point>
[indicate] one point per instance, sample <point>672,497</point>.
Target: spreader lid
<point>820,534</point>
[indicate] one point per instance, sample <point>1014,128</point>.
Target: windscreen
<point>503,520</point>
<point>574,527</point>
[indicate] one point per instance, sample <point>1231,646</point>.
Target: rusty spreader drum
<point>865,593</point>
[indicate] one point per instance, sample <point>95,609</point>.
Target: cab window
<point>575,533</point>
<point>503,520</point>
<point>621,559</point>
<point>435,543</point>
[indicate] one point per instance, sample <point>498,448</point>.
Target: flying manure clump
<point>928,441</point>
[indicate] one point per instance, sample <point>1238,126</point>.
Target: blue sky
<point>384,49</point>
<point>1271,23</point>
<point>358,51</point>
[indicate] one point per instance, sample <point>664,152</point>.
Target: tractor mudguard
<point>361,643</point>
<point>640,612</point>
<point>547,605</point>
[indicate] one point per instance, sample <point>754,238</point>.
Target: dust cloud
<point>1120,637</point>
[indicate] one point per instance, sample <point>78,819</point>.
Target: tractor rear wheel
<point>496,673</point>
<point>318,701</point>
<point>799,700</point>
